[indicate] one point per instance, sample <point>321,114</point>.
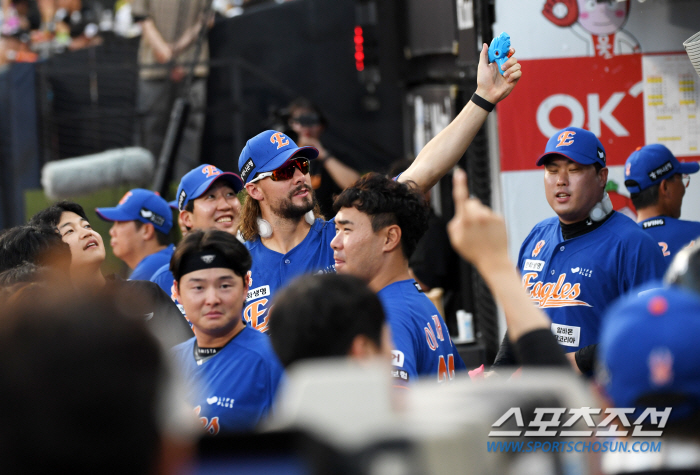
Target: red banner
<point>604,96</point>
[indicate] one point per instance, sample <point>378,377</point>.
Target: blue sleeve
<point>141,273</point>
<point>164,278</point>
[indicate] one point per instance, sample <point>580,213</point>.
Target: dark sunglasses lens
<point>286,172</point>
<point>303,165</point>
<point>283,173</point>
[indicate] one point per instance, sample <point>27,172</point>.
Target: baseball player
<point>139,235</point>
<point>230,369</point>
<point>279,220</point>
<point>575,264</point>
<point>378,225</point>
<point>657,181</point>
<point>207,199</point>
<point>87,254</point>
<point>479,236</point>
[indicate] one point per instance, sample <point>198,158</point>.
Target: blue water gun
<point>499,50</point>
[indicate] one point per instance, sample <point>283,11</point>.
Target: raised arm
<point>446,148</point>
<point>479,236</point>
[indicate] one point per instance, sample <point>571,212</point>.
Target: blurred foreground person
<point>88,253</point>
<point>39,245</point>
<point>85,390</point>
<point>648,360</point>
<point>230,370</point>
<point>320,316</point>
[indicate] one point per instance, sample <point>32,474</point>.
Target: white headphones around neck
<point>602,208</point>
<point>265,228</point>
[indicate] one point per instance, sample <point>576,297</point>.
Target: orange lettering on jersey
<point>430,337</point>
<point>209,426</point>
<point>125,197</point>
<point>553,294</point>
<point>446,371</point>
<point>280,139</point>
<point>438,327</point>
<point>664,249</point>
<point>213,426</point>
<point>256,314</point>
<point>537,248</point>
<point>566,138</point>
<point>210,171</point>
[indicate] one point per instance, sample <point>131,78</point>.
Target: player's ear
<point>175,289</point>
<point>148,231</point>
<point>253,191</point>
<point>603,176</point>
<point>186,218</point>
<point>392,237</point>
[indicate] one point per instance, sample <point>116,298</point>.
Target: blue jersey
<point>671,234</point>
<point>272,270</point>
<point>149,265</point>
<point>234,389</point>
<point>575,280</point>
<point>422,343</point>
<point>164,278</point>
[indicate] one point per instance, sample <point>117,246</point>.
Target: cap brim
<point>689,167</point>
<point>173,204</point>
<point>577,159</point>
<point>231,178</point>
<point>113,214</point>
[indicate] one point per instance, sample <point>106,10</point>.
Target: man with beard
<point>280,219</point>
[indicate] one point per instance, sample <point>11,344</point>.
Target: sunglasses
<point>286,171</point>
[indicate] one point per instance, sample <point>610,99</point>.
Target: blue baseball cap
<point>140,205</point>
<point>197,181</point>
<point>268,151</point>
<point>648,353</point>
<point>650,165</point>
<point>579,145</point>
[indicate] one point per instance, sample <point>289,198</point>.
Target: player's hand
<point>476,232</point>
<point>489,83</point>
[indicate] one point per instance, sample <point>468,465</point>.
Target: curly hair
<point>388,202</point>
